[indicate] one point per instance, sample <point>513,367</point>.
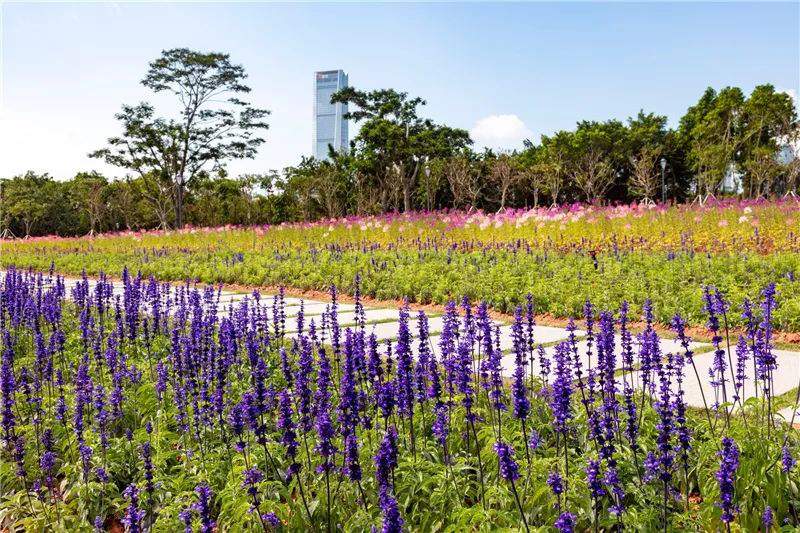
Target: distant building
<point>330,126</point>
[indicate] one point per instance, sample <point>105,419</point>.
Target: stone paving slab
<point>785,414</point>
<point>786,378</point>
<point>541,335</point>
<point>371,315</point>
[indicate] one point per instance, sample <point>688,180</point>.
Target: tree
<point>716,137</point>
<point>465,183</point>
<point>157,192</point>
<point>249,184</point>
<point>27,198</point>
<point>768,128</point>
<point>394,140</point>
<point>431,181</point>
<point>644,175</point>
<point>592,174</point>
<point>504,174</point>
<point>213,124</point>
<point>762,168</point>
<point>123,204</point>
<point>89,191</point>
<point>553,161</point>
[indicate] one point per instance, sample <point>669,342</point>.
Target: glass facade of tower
<point>330,126</point>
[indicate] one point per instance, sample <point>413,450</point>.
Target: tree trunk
<point>179,205</point>
<point>503,195</point>
<point>406,199</point>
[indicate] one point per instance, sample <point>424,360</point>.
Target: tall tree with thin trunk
<point>213,124</point>
<point>464,181</point>
<point>592,174</point>
<point>504,175</point>
<point>644,175</point>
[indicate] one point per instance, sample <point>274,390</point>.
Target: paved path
<point>383,322</point>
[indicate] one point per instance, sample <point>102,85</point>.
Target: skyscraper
<point>330,126</point>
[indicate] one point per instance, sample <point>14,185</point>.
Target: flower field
<point>562,256</point>
<point>148,407</point>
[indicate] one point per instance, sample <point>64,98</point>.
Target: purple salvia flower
<point>405,387</point>
<point>561,389</point>
<point>519,391</point>
<point>19,456</point>
<point>767,518</point>
<point>742,354</point>
<point>441,424</point>
<point>714,307</point>
<point>134,515</point>
<point>288,433</point>
<point>8,388</point>
<point>423,359</point>
<point>566,523</point>
<point>203,508</point>
<point>594,479</point>
<point>509,470</point>
<point>271,519</point>
<point>374,366</point>
<point>325,434</point>
<point>305,366</point>
<point>464,375</point>
<point>615,488</point>
<point>447,344</point>
<point>252,477</point>
<point>556,483</point>
<point>236,420</point>
<point>787,461</point>
<point>47,462</point>
<point>147,462</point>
<point>766,361</point>
<point>534,440</point>
<point>385,462</point>
<point>726,478</point>
<point>186,517</point>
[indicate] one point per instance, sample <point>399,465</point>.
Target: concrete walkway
<point>383,323</point>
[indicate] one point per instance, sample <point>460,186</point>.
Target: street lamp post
<point>663,184</point>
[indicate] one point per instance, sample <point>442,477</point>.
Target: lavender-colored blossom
<point>566,522</point>
<point>252,477</point>
<point>186,517</point>
<point>147,461</point>
<point>561,389</point>
<point>509,470</point>
<point>555,482</point>
<point>271,519</point>
<point>534,440</point>
<point>726,478</point>
<point>203,508</point>
<point>441,424</point>
<point>134,515</point>
<point>787,461</point>
<point>767,518</point>
<point>519,392</point>
<point>594,480</point>
<point>386,461</point>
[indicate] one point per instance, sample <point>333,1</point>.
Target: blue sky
<point>504,71</point>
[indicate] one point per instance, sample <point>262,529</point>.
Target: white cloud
<point>500,131</point>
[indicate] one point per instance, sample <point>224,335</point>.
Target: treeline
<point>727,143</point>
<point>37,204</point>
